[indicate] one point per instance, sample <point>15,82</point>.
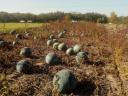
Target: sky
<point>83,6</point>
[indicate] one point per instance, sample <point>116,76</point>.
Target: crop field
<point>64,59</point>
<point>11,26</point>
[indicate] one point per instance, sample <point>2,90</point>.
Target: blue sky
<point>83,6</point>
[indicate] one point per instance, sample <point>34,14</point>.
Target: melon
<point>64,81</point>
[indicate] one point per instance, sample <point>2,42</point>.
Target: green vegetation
<point>11,26</point>
<point>48,17</point>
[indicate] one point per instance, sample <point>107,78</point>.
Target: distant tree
<point>67,17</point>
<point>48,17</point>
<point>113,17</point>
<point>96,17</point>
<point>102,20</point>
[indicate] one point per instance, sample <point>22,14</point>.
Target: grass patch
<point>11,26</point>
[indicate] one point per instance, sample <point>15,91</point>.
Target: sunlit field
<point>63,48</point>
<point>10,26</point>
<point>104,59</point>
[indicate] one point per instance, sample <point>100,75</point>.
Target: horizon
<point>42,6</point>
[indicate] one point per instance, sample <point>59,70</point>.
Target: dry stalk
<point>117,56</point>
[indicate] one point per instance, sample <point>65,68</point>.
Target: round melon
<point>26,52</point>
<point>55,45</point>
<point>28,34</point>
<point>62,47</point>
<point>81,57</point>
<point>54,40</point>
<point>15,43</point>
<point>49,43</point>
<point>69,51</point>
<point>13,32</point>
<point>23,66</point>
<point>64,81</point>
<point>3,43</point>
<point>76,48</point>
<point>19,36</point>
<point>52,59</point>
<point>51,37</point>
<point>60,35</point>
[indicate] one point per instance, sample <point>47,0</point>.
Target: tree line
<point>115,19</point>
<point>48,17</point>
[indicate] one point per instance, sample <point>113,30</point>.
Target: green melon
<point>55,45</point>
<point>76,48</point>
<point>69,51</point>
<point>51,37</point>
<point>62,47</point>
<point>64,81</point>
<point>54,40</point>
<point>81,57</point>
<point>23,66</point>
<point>49,43</point>
<point>60,35</point>
<point>12,32</point>
<point>52,59</point>
<point>3,43</point>
<point>19,36</point>
<point>26,52</point>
